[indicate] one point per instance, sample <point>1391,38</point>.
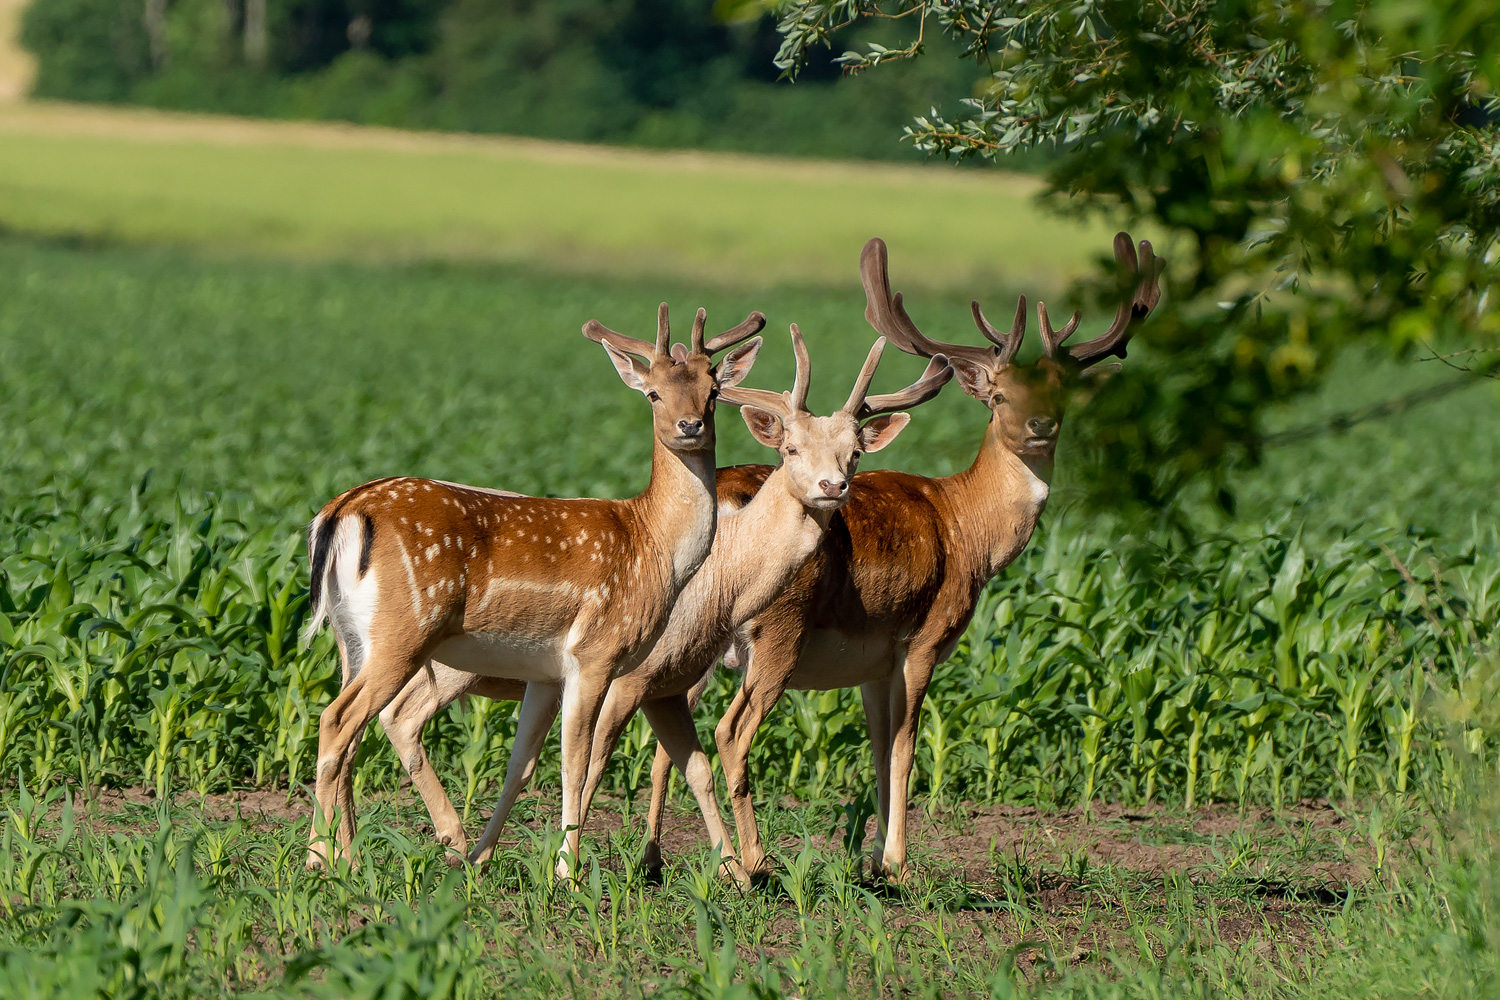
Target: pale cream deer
<point>894,583</point>
<point>565,595</point>
<point>756,551</point>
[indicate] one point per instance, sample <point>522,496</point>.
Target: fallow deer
<point>565,595</point>
<point>756,551</point>
<point>895,581</point>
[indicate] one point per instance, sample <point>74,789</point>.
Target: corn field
<point>153,579</point>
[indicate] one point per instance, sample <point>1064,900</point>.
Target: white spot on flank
<point>427,487</point>
<point>447,541</point>
<point>432,590</point>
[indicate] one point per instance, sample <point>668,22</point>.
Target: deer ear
<point>882,430</point>
<point>764,425</point>
<point>975,378</point>
<point>736,364</point>
<point>626,368</point>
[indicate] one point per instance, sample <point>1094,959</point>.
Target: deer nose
<point>833,489</point>
<point>1042,426</point>
<point>690,428</point>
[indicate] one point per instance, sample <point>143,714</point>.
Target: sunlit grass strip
<point>316,190</point>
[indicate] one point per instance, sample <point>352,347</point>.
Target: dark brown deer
<point>894,583</point>
<point>565,595</point>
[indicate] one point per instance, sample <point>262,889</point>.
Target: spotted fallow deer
<point>565,595</point>
<point>756,550</point>
<point>894,583</point>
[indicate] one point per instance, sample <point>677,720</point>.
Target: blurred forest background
<point>656,73</point>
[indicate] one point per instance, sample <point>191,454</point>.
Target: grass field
<point>325,190</point>
<point>1251,761</point>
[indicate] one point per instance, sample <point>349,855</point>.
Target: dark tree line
<point>652,72</point>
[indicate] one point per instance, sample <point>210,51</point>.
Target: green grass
<point>320,191</point>
<point>170,420</point>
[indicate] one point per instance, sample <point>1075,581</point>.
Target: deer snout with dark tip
<point>1042,426</point>
<point>690,428</point>
<point>833,489</point>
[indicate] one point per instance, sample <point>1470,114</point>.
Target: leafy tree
<point>1322,174</point>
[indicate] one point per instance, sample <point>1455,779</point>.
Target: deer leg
<point>735,734</point>
<point>672,719</point>
<point>539,707</point>
<point>431,689</point>
<point>340,726</point>
<point>876,696</point>
<point>614,715</point>
<point>908,688</point>
<point>583,697</point>
<point>661,771</point>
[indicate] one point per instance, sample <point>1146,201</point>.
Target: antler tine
<point>748,327</point>
<point>740,395</point>
<point>663,332</point>
<point>803,380</point>
<point>887,313</point>
<point>698,321</point>
<point>783,404</point>
<point>1008,343</point>
<point>599,334</point>
<point>866,374</point>
<point>938,372</point>
<point>1052,339</point>
<point>1114,340</point>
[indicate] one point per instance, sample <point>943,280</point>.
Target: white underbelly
<point>494,654</point>
<point>833,659</point>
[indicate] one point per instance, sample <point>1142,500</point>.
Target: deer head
<point>820,454</point>
<point>681,383</point>
<point>1027,401</point>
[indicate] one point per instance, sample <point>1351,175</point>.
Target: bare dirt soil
<point>1054,887</point>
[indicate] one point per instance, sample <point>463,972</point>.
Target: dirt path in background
<point>149,125</point>
<point>16,64</point>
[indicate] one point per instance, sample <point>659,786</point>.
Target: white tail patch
<point>350,600</point>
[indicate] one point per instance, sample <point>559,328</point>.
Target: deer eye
<point>856,455</point>
<point>653,396</point>
<point>791,451</point>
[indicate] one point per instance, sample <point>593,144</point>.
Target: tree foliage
<point>1322,174</point>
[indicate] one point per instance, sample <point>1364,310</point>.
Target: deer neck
<point>759,548</point>
<point>998,500</point>
<point>679,508</point>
